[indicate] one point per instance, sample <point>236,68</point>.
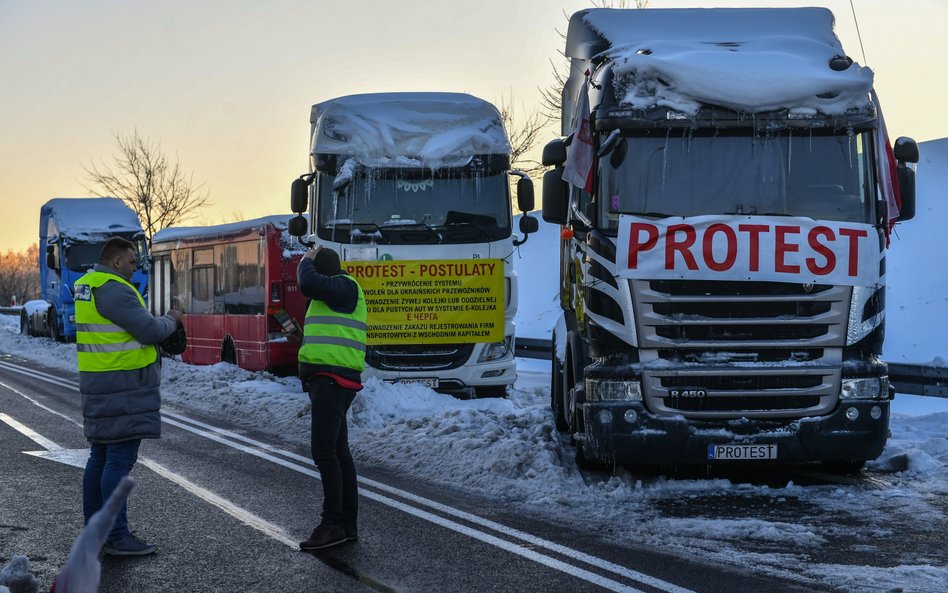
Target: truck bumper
<point>615,435</point>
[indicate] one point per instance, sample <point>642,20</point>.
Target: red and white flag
<point>888,172</point>
<point>578,170</point>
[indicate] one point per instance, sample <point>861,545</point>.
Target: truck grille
<point>740,349</point>
<point>418,357</point>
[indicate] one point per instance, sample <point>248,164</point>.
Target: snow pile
<point>917,280</point>
<point>750,60</point>
<point>408,129</point>
<point>16,577</point>
<point>91,219</point>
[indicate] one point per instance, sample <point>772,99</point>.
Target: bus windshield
<point>822,176</point>
<point>415,206</point>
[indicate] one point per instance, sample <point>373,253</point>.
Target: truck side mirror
<point>525,198</point>
<point>299,196</point>
<point>555,197</point>
<point>554,153</point>
<point>906,150</point>
<point>528,225</point>
<point>906,192</point>
<point>297,226</point>
<point>51,259</point>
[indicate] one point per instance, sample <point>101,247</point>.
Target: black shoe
<point>128,545</point>
<point>326,535</point>
<point>352,535</point>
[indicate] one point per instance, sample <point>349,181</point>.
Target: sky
<point>226,87</point>
<point>507,449</point>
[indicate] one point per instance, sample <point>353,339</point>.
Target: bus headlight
<point>872,388</point>
<point>601,390</point>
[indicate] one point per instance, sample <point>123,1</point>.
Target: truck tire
<point>52,325</point>
<point>25,325</point>
<point>557,379</point>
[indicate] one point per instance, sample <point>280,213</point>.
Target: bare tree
<point>19,276</point>
<point>523,137</point>
<point>158,190</point>
<point>551,98</point>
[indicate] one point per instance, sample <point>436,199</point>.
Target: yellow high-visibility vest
<point>332,338</point>
<point>102,345</point>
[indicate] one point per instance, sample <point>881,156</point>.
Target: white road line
<point>477,520</point>
<point>242,515</point>
<point>217,434</point>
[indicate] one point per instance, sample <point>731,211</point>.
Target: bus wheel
<point>229,352</point>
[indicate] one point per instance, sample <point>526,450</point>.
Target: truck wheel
<point>557,380</point>
<point>490,391</point>
<point>25,325</point>
<point>229,352</point>
<point>52,322</point>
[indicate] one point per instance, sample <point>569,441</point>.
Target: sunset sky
<point>226,87</point>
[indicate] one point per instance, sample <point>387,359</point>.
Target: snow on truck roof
<point>90,219</point>
<point>748,59</point>
<point>408,129</point>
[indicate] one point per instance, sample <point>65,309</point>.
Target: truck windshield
<point>822,176</point>
<point>417,206</point>
<point>80,257</point>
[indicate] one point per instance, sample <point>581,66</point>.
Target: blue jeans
<point>107,465</point>
<point>330,448</point>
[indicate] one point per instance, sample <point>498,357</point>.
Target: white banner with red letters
<point>766,248</point>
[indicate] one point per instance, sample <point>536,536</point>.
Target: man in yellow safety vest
<point>331,360</point>
<point>119,375</point>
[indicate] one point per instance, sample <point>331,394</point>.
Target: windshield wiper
<point>408,225</point>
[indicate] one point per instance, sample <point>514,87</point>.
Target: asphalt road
<point>227,508</point>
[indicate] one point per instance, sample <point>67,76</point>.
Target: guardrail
<point>10,310</point>
<point>914,379</point>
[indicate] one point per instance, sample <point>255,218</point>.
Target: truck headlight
<point>496,351</point>
<point>600,390</point>
<point>872,388</point>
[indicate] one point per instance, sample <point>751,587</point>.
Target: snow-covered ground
<point>508,449</point>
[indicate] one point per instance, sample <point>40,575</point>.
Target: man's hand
<point>311,254</point>
<point>177,316</point>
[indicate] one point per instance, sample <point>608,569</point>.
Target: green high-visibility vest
<point>332,338</point>
<point>102,345</point>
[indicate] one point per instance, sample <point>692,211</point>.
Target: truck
<point>726,191</point>
<point>72,232</point>
<point>413,191</point>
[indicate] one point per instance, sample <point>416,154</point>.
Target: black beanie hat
<point>327,262</point>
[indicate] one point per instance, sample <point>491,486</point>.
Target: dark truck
<point>726,190</point>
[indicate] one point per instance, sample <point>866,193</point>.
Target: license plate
<point>741,452</point>
<point>431,382</point>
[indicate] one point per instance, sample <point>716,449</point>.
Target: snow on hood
<point>408,129</point>
<point>91,219</point>
<point>751,60</point>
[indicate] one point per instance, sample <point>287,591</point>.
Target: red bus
<point>234,283</point>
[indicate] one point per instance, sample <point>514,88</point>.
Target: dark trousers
<point>330,448</point>
<point>107,465</point>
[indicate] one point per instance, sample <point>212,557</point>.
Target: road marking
<point>263,450</point>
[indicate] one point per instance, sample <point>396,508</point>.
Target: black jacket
<point>341,294</point>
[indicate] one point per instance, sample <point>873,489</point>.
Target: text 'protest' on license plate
<point>741,452</point>
<point>431,382</point>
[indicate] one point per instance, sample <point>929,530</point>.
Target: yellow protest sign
<point>458,301</point>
